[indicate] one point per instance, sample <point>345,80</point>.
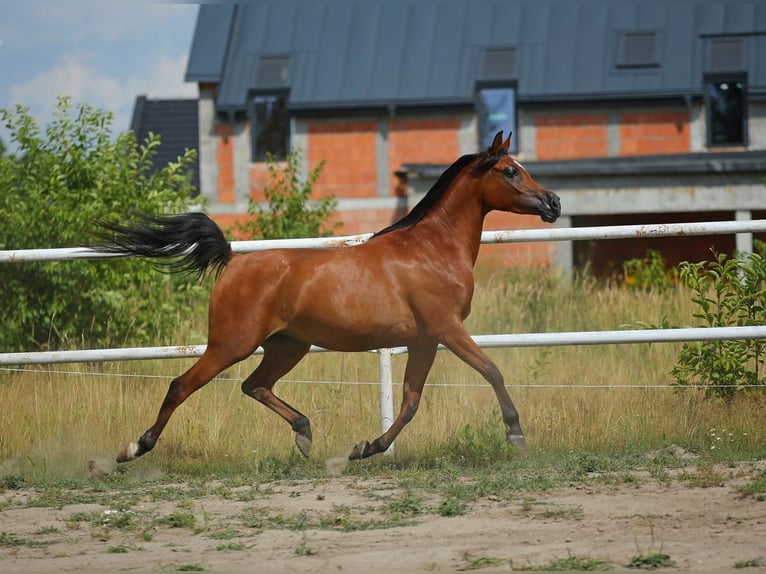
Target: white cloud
<point>78,78</point>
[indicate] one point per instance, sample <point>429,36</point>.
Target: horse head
<point>507,186</point>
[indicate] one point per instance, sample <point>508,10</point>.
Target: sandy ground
<point>297,527</point>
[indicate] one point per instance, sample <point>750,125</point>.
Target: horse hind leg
<point>280,354</point>
<point>212,362</point>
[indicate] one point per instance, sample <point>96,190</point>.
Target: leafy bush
<point>55,187</point>
<point>290,214</point>
<point>727,292</point>
<point>649,272</point>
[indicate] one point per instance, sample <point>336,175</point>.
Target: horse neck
<point>458,217</point>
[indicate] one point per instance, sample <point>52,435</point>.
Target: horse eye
<point>510,172</point>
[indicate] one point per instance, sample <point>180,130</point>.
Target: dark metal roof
<point>175,121</point>
<point>362,53</point>
<point>209,44</point>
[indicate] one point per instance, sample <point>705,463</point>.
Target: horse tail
<point>186,243</point>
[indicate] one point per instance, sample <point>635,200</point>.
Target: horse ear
<point>497,143</point>
<point>507,143</point>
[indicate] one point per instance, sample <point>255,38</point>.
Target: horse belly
<point>354,318</point>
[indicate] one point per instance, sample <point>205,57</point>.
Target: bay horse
<point>410,284</point>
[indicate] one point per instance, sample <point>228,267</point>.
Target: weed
<point>452,506</point>
<point>651,561</point>
<point>569,564</point>
<point>190,568</point>
<point>10,539</point>
<point>303,548</point>
<point>178,520</point>
<point>409,504</point>
<point>752,563</point>
<point>12,482</point>
<point>230,547</point>
<point>226,534</point>
<point>704,477</point>
<point>472,563</point>
<point>755,488</point>
<point>572,513</point>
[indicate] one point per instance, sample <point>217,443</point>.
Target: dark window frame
<point>259,150</point>
<point>486,130</point>
<point>712,140</point>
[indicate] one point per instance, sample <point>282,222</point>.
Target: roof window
<point>498,64</point>
<point>637,50</point>
<point>273,71</point>
<point>725,55</point>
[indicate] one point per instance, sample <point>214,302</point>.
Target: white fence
<point>487,341</point>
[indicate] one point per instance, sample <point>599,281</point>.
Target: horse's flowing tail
<point>187,243</point>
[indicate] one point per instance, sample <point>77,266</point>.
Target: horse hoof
<point>518,441</point>
<point>359,450</point>
<point>129,452</point>
<point>303,444</point>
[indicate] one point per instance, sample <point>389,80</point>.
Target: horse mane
<point>485,161</point>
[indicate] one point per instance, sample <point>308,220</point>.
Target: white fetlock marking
<point>132,450</point>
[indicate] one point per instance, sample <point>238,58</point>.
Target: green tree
<point>53,191</point>
<point>290,212</point>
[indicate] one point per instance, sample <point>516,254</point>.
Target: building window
<point>726,110</point>
<point>270,126</point>
<point>496,111</point>
<point>637,50</point>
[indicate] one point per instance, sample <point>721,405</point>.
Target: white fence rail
<point>491,341</point>
<point>488,237</point>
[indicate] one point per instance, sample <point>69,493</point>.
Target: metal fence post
<point>386,393</point>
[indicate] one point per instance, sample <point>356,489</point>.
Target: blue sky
<point>100,52</point>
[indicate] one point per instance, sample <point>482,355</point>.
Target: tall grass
<point>599,399</point>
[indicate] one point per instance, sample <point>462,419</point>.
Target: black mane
<point>439,189</point>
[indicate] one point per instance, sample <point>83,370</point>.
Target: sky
<point>99,52</point>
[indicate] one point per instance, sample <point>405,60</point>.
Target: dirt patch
<point>702,522</point>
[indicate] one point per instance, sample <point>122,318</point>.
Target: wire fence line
<point>482,385</point>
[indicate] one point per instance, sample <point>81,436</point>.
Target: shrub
<point>727,292</point>
<point>649,272</point>
<point>290,213</point>
<point>55,186</point>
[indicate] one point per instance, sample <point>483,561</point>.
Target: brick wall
<point>649,133</point>
<point>571,136</point>
<point>348,150</point>
<point>433,140</point>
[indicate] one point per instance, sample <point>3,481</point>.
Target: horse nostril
<point>555,204</point>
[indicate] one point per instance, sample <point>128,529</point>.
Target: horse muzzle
<point>550,207</point>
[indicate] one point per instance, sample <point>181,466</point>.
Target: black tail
<point>193,242</point>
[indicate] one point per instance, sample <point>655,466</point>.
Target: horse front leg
<point>419,364</point>
<point>459,342</point>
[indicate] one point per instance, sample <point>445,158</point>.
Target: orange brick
<point>571,136</point>
<point>646,133</point>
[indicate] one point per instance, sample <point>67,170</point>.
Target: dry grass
<point>596,399</point>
